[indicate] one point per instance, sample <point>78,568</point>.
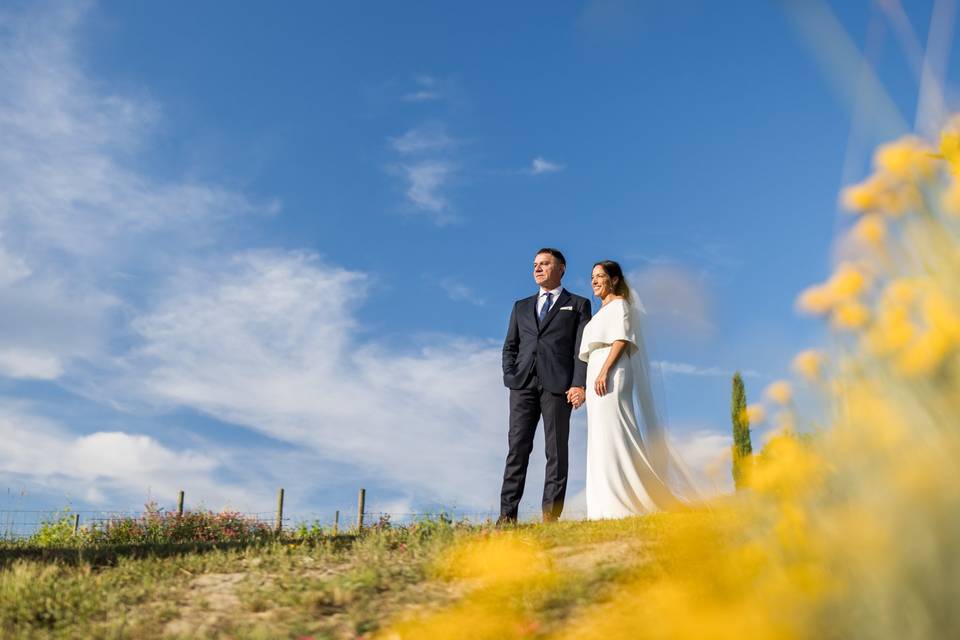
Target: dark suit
<point>540,364</point>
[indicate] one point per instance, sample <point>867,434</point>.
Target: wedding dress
<point>627,473</point>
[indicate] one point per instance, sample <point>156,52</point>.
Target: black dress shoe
<point>506,521</point>
<point>550,517</point>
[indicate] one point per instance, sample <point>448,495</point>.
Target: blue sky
<point>278,245</point>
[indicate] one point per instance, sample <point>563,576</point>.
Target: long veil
<point>651,415</point>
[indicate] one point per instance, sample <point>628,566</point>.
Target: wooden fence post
<point>180,504</point>
<point>361,499</point>
<point>280,510</point>
<point>76,523</point>
<point>336,522</point>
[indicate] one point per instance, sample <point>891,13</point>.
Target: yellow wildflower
<point>871,230</point>
<point>846,282</point>
<point>893,329</point>
<point>906,159</point>
<point>860,197</point>
<point>779,391</point>
<point>950,149</point>
<point>817,300</point>
<point>950,199</point>
<point>924,355</point>
<point>850,315</point>
<point>755,413</point>
<point>940,313</point>
<point>900,291</point>
<point>808,364</point>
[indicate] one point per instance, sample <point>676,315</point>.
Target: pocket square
<point>566,308</point>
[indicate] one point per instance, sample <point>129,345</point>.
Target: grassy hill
<point>329,586</point>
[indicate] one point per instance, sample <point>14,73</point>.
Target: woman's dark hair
<point>555,253</point>
<point>613,271</point>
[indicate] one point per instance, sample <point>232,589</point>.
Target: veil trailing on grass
<point>650,402</point>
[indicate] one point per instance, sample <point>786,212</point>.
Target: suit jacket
<point>552,348</point>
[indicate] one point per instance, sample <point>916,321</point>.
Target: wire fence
<point>21,524</point>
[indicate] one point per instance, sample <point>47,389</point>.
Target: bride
<point>627,473</point>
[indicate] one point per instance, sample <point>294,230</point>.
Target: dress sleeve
<point>616,323</point>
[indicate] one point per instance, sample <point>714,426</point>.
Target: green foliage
<point>742,448</point>
<point>165,527</point>
<point>54,533</point>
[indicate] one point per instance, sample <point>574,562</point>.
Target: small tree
<point>742,449</point>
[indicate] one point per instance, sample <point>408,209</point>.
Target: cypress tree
<point>742,449</point>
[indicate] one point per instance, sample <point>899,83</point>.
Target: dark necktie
<point>546,308</point>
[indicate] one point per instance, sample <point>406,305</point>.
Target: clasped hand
<point>576,396</point>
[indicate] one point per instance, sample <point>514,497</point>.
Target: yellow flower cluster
<point>849,531</point>
<point>918,326</point>
<point>901,170</point>
<point>840,296</point>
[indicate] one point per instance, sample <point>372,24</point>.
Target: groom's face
<point>547,271</point>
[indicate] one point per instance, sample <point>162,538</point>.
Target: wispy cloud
<point>427,89</point>
<point>427,138</point>
<point>459,292</point>
<point>427,167</point>
<point>685,368</point>
<point>425,184</point>
<point>540,165</point>
<point>101,462</point>
<point>409,416</point>
<point>706,453</point>
<point>73,210</point>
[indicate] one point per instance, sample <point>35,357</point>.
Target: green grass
<point>317,586</point>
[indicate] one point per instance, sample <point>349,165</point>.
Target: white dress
<point>620,480</point>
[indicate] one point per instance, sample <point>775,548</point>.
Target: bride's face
<point>602,285</point>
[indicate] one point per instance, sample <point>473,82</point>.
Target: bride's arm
<point>616,349</point>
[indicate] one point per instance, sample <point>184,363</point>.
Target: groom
<point>545,377</point>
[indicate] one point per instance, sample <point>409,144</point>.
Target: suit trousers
<point>527,405</point>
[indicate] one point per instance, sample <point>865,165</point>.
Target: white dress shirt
<point>542,298</point>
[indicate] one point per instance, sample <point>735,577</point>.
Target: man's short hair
<point>555,253</point>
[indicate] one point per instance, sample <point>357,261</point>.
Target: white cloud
<point>270,342</point>
<point>75,213</point>
<point>540,165</point>
<point>707,456</point>
<point>422,95</point>
<point>426,169</point>
<point>425,183</point>
<point>24,363</point>
<point>423,139</point>
<point>106,461</point>
<point>428,89</point>
<point>459,292</point>
<point>685,368</point>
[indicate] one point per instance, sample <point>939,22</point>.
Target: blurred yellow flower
<point>817,300</point>
<point>808,364</point>
<point>950,199</point>
<point>900,291</point>
<point>860,197</point>
<point>908,158</point>
<point>950,149</point>
<point>779,391</point>
<point>850,315</point>
<point>941,314</point>
<point>871,230</point>
<point>892,331</point>
<point>755,413</point>
<point>846,282</point>
<point>880,193</point>
<point>924,355</point>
